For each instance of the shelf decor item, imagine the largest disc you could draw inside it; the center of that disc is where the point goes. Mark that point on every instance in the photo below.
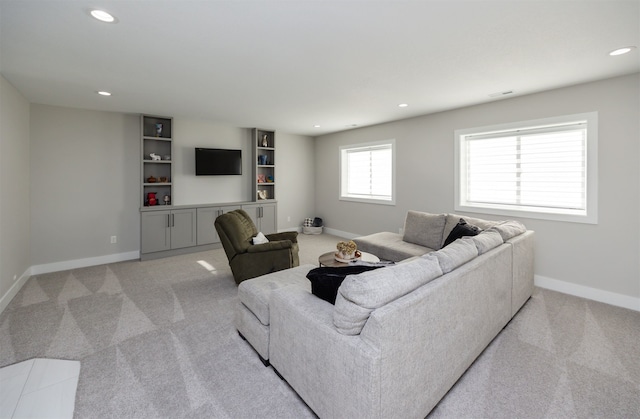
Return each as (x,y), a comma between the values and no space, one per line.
(167,200)
(151,198)
(156,149)
(264,164)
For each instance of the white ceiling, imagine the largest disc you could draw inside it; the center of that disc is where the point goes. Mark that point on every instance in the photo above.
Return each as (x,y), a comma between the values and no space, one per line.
(289,65)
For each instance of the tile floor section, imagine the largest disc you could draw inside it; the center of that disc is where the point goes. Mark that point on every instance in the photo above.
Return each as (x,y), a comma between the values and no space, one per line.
(39,388)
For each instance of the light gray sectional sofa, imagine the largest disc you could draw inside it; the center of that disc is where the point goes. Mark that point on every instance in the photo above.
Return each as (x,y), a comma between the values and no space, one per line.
(399,337)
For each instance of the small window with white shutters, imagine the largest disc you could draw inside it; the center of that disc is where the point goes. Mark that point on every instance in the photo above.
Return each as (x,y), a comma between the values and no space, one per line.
(367,172)
(537,169)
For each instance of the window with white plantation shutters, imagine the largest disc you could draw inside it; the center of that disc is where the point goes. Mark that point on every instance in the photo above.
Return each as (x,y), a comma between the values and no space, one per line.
(539,169)
(367,172)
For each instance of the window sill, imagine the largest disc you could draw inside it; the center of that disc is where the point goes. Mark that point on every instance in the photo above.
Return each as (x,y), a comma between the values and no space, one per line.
(367,200)
(523,212)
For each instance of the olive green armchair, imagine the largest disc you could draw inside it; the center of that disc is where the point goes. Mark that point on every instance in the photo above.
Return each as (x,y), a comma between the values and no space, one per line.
(248,260)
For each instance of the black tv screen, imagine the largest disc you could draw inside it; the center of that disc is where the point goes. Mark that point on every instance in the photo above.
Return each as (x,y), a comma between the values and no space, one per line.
(218,161)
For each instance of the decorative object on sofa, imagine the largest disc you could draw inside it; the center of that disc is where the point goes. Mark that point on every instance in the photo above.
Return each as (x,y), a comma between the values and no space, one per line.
(155,156)
(260,238)
(325,281)
(151,198)
(151,179)
(167,199)
(461,229)
(236,231)
(347,251)
(261,178)
(263,194)
(158,130)
(265,141)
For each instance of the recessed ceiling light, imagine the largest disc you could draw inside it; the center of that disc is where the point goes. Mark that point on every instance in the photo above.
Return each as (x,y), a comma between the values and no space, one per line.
(104,93)
(621,51)
(316,126)
(103,16)
(403,105)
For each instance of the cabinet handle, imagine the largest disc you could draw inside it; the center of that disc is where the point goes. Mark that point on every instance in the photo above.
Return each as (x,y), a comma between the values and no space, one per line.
(169,220)
(173,220)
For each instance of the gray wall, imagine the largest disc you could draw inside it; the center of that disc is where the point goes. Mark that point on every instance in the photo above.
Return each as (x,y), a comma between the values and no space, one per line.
(294,179)
(14,190)
(294,169)
(85,168)
(84,183)
(602,256)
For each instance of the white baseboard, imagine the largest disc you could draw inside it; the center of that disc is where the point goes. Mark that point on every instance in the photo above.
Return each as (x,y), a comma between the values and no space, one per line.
(83,263)
(608,297)
(62,266)
(340,233)
(17,285)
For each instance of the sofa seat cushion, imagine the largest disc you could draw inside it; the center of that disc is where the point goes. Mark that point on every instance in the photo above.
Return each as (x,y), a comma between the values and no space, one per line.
(360,294)
(390,246)
(424,229)
(255,293)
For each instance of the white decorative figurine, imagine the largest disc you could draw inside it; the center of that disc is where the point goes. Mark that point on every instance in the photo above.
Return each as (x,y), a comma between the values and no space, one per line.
(155,156)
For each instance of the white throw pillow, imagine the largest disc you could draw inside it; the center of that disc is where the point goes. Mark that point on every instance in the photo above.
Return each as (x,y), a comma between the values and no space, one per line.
(260,239)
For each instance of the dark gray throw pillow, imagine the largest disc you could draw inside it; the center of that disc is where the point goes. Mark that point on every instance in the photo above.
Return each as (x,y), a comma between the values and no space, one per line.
(325,281)
(460,230)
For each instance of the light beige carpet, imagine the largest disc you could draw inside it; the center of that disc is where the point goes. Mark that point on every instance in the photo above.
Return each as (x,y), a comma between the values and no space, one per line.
(156,339)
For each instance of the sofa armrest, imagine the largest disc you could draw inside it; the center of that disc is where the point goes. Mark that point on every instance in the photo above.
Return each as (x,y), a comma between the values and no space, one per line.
(271,246)
(285,235)
(335,374)
(523,269)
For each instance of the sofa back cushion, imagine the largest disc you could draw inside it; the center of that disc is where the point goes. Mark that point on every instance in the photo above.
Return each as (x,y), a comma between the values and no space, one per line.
(457,253)
(453,219)
(424,229)
(486,240)
(510,229)
(360,294)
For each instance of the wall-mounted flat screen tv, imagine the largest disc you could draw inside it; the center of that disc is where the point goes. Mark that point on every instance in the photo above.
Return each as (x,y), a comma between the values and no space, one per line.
(218,161)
